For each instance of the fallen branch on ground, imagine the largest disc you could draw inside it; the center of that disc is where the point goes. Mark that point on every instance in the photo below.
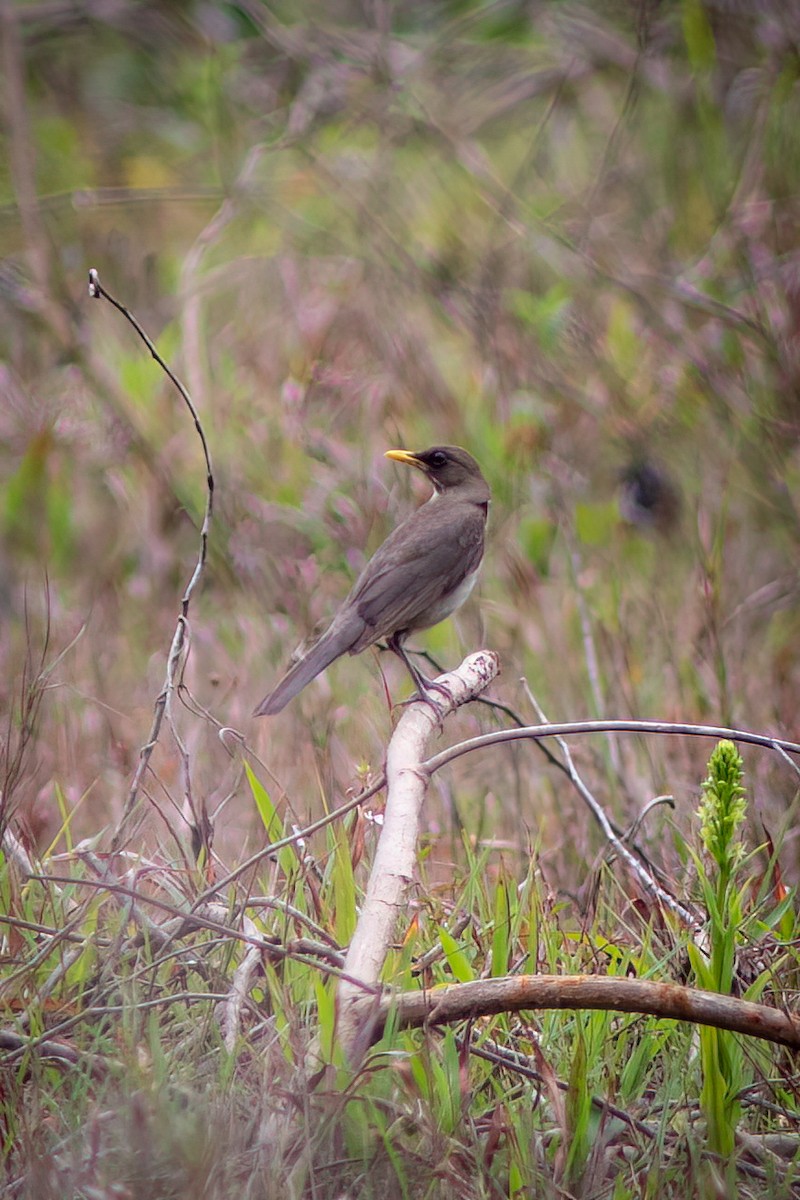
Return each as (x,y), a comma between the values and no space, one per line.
(517,993)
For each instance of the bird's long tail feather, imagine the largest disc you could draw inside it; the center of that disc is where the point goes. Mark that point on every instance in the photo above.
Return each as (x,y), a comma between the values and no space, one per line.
(330,646)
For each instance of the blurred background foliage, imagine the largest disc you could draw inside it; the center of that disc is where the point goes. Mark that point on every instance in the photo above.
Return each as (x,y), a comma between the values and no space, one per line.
(562,236)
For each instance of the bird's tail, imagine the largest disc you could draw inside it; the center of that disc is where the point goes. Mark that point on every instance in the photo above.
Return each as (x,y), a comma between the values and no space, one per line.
(330,646)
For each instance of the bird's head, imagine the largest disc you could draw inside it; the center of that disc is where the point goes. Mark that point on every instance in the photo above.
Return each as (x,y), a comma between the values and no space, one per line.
(447,468)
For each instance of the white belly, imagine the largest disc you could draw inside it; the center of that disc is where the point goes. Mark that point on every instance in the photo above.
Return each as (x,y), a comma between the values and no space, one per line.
(448,604)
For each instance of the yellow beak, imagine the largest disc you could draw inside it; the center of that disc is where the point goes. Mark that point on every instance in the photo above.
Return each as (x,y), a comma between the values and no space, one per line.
(404,456)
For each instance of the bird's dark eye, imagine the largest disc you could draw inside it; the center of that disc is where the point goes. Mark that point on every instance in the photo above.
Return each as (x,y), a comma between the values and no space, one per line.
(438,458)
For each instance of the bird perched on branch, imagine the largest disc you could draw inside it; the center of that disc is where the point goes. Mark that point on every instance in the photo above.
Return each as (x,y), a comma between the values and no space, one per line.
(421,574)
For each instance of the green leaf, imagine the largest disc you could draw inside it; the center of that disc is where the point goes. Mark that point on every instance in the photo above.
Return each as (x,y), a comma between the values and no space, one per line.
(456,959)
(776,917)
(640,1061)
(578,1106)
(344,887)
(500,934)
(272,823)
(326,1016)
(448,1083)
(701,968)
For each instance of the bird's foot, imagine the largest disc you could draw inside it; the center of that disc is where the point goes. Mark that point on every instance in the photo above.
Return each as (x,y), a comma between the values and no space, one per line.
(432,685)
(423,694)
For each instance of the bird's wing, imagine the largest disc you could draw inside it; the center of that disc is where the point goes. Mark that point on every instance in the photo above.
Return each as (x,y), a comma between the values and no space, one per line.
(422,561)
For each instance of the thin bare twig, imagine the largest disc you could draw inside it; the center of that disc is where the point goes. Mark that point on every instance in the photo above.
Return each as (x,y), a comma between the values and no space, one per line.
(242,980)
(520,1064)
(57,1052)
(298,949)
(590,650)
(568,728)
(291,839)
(18,739)
(176,651)
(645,877)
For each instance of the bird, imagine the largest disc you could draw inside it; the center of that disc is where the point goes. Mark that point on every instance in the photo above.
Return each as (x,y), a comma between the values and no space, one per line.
(649,497)
(422,573)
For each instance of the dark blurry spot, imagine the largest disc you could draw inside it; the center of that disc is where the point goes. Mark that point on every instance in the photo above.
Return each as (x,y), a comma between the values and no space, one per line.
(648,497)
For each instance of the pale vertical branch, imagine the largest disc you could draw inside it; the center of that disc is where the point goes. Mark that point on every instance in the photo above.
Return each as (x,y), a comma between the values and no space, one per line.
(393,866)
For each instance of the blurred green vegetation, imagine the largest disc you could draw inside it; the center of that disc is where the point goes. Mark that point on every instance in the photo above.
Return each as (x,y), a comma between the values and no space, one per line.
(175,1065)
(563,236)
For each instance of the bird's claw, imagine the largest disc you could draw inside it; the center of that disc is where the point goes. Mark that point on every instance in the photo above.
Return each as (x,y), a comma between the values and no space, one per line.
(423,695)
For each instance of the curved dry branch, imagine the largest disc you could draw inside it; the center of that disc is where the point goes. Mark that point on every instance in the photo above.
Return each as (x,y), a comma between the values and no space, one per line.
(179,640)
(567,728)
(560,730)
(516,993)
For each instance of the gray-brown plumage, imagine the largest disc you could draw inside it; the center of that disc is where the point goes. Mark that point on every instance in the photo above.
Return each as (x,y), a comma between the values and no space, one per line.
(423,571)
